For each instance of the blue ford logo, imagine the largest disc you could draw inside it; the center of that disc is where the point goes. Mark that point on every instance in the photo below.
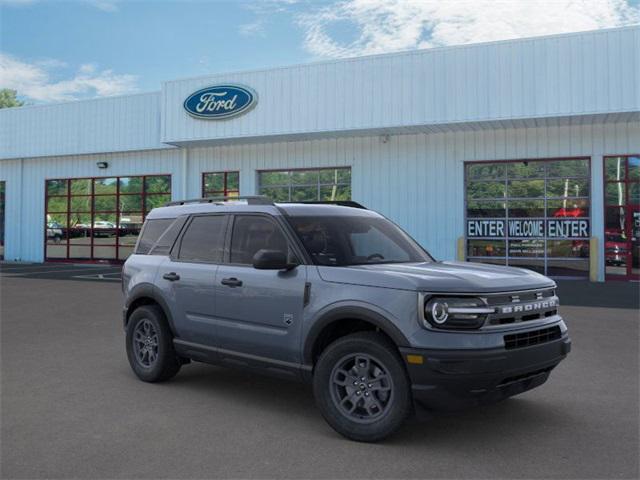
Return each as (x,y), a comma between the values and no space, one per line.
(220,101)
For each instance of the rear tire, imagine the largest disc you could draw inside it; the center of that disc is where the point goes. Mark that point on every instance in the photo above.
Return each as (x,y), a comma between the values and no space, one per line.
(361,387)
(150,345)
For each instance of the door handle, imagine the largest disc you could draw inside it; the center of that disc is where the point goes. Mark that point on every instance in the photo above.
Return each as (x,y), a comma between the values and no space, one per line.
(172,276)
(231,282)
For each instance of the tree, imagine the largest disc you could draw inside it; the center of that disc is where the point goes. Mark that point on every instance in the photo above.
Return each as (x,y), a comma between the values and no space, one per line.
(8,98)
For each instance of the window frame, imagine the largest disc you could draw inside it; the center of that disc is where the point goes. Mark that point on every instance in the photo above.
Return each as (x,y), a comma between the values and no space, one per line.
(627,181)
(318,185)
(226,191)
(505,178)
(92,213)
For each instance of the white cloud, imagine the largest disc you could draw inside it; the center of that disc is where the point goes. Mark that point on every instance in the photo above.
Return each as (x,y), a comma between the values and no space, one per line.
(34,80)
(252,28)
(390,25)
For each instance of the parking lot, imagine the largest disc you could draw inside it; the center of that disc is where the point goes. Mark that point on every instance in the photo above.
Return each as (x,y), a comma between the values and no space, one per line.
(72,408)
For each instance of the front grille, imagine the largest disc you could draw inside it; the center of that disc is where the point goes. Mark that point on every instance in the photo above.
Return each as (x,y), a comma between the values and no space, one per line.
(527,300)
(534,337)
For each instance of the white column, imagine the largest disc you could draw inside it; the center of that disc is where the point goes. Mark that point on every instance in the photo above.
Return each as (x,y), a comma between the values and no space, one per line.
(597,210)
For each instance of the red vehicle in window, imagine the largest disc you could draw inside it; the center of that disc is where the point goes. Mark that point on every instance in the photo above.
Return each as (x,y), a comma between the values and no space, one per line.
(615,247)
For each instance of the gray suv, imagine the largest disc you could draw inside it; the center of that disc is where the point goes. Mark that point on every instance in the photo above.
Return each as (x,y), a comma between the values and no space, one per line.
(338,296)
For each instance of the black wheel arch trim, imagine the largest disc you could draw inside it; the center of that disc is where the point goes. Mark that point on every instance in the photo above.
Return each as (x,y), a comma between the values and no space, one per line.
(147,290)
(355,313)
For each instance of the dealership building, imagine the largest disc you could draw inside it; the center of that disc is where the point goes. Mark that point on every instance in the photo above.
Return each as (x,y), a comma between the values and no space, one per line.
(522,152)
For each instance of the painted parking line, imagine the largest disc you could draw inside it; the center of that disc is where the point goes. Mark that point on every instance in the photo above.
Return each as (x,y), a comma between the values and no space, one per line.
(40,272)
(99,276)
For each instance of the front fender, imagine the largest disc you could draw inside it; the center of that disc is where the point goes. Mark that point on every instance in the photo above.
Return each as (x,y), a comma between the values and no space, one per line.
(335,312)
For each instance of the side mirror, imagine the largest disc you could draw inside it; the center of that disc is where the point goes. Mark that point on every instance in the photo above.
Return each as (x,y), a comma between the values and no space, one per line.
(271,260)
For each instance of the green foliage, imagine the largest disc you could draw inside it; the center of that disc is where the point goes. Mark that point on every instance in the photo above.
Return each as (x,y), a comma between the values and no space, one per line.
(8,98)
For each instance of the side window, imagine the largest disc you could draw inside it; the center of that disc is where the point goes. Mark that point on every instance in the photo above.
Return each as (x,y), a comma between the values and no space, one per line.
(253,233)
(204,239)
(168,238)
(153,229)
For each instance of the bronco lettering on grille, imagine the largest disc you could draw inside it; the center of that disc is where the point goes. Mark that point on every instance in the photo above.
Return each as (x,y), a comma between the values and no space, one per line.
(529,307)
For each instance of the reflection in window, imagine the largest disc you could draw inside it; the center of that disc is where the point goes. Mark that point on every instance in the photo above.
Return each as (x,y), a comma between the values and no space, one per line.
(101,218)
(327,184)
(221,184)
(521,195)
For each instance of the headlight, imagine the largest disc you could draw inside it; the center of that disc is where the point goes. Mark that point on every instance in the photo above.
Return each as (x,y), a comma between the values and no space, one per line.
(455,313)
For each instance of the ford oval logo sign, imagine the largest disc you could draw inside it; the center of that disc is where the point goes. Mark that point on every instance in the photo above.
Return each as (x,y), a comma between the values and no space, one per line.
(220,102)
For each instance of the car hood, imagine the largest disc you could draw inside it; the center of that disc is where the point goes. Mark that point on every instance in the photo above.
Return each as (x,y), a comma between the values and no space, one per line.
(455,277)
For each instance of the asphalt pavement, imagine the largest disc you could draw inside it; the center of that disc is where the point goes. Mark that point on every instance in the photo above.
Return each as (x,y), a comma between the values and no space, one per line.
(72,408)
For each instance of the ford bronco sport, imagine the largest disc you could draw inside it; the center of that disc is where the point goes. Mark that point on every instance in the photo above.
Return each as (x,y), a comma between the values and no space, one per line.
(339,296)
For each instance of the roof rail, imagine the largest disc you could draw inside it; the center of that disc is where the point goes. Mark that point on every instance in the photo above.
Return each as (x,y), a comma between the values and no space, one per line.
(251,200)
(342,203)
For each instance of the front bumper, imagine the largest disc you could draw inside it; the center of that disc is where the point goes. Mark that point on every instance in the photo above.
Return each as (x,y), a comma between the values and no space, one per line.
(454,379)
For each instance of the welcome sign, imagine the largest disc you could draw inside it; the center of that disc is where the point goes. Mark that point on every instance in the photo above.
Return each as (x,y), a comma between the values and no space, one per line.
(528,228)
(220,102)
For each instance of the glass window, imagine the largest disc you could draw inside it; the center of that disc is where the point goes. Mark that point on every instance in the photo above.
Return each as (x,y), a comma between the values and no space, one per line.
(57,204)
(485,190)
(221,184)
(525,169)
(151,232)
(157,184)
(203,241)
(568,208)
(614,168)
(57,187)
(525,188)
(355,240)
(326,184)
(529,212)
(615,193)
(131,184)
(486,171)
(105,186)
(100,217)
(568,168)
(568,187)
(525,208)
(485,209)
(253,233)
(634,168)
(105,203)
(486,248)
(167,239)
(80,186)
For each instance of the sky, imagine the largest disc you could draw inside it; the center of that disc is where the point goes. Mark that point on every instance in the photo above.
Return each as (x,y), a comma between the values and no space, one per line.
(54,50)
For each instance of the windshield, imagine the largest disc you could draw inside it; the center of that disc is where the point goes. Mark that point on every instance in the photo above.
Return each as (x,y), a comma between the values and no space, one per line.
(356,240)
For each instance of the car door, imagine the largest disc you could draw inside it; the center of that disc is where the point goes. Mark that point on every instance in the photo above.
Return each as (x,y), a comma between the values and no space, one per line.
(187,277)
(259,312)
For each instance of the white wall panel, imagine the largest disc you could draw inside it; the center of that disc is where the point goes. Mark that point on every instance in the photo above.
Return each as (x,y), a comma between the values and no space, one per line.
(557,76)
(112,124)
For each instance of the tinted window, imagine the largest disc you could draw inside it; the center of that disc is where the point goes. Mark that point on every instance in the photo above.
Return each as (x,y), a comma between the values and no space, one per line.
(151,233)
(253,233)
(355,240)
(168,238)
(204,239)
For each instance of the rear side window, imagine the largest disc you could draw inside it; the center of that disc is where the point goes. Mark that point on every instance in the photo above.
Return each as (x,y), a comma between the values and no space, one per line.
(168,238)
(203,240)
(151,232)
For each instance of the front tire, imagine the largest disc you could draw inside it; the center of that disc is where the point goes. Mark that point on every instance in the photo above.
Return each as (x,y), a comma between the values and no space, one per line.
(361,387)
(150,345)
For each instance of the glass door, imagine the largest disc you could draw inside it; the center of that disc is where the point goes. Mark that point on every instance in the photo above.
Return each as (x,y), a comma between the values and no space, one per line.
(622,217)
